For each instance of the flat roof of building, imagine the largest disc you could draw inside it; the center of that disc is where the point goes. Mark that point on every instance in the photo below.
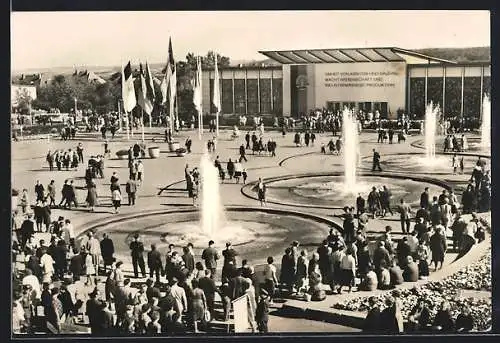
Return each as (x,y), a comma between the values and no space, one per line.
(351,55)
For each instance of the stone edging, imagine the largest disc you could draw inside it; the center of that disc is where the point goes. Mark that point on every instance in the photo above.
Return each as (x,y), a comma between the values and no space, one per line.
(235,208)
(246,189)
(418,144)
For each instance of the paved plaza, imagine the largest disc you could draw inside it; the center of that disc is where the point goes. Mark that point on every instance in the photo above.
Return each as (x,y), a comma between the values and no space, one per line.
(29,165)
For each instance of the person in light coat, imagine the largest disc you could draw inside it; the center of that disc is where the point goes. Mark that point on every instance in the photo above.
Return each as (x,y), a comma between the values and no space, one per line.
(140,171)
(94,249)
(47,264)
(116,196)
(179,295)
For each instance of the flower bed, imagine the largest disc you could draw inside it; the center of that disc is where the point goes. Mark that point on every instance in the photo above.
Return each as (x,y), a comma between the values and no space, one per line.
(476,276)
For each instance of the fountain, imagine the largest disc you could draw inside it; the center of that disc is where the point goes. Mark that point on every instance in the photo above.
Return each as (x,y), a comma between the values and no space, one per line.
(431,160)
(430,131)
(351,146)
(486,123)
(212,212)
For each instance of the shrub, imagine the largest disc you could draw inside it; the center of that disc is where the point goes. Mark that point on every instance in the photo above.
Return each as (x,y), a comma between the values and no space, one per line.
(122,152)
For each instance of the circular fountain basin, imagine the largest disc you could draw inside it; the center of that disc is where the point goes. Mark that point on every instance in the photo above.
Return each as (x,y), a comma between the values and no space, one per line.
(475,146)
(255,233)
(418,163)
(328,190)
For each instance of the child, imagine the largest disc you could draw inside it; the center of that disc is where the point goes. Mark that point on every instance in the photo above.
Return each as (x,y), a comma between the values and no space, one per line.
(262,312)
(323,150)
(461,165)
(244,174)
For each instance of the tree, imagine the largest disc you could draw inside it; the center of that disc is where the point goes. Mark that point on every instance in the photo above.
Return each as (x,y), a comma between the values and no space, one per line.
(23,100)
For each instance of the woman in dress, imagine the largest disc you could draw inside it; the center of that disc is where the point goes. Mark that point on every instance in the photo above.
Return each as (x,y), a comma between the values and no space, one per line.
(199,304)
(90,270)
(423,254)
(92,195)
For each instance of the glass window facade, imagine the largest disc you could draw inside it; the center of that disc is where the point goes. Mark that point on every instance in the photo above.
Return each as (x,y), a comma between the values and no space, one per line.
(453,96)
(265,95)
(227,96)
(253,96)
(472,97)
(435,90)
(239,96)
(454,105)
(417,97)
(278,96)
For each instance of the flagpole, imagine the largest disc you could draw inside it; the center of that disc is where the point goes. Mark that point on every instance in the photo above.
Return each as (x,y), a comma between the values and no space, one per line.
(127,124)
(131,123)
(142,125)
(199,124)
(120,116)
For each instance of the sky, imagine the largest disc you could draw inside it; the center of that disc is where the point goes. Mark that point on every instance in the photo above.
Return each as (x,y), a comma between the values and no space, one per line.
(64,39)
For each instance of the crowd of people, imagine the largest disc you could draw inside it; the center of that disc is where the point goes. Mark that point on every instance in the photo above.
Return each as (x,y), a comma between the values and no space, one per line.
(51,280)
(387,319)
(181,292)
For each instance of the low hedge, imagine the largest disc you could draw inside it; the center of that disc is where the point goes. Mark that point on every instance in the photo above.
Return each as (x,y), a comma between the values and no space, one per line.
(38,129)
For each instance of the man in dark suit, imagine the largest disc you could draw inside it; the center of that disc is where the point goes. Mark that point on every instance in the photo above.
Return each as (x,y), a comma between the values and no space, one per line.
(380,256)
(188,257)
(247,140)
(76,265)
(27,230)
(39,190)
(229,255)
(137,250)
(210,256)
(93,308)
(207,284)
(424,199)
(154,262)
(376,161)
(131,189)
(372,320)
(107,251)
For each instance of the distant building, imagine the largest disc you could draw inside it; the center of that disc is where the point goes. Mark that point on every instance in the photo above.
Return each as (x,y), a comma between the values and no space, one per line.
(385,79)
(18,90)
(89,76)
(32,80)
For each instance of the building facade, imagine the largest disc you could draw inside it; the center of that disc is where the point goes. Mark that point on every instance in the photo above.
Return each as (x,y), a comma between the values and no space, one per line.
(384,79)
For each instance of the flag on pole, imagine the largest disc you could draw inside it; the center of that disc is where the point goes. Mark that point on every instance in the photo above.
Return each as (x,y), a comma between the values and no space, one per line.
(128,90)
(216,97)
(146,95)
(169,83)
(172,83)
(150,91)
(197,95)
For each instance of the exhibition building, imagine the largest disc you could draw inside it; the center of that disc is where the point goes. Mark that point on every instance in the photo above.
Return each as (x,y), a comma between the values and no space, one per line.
(385,79)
